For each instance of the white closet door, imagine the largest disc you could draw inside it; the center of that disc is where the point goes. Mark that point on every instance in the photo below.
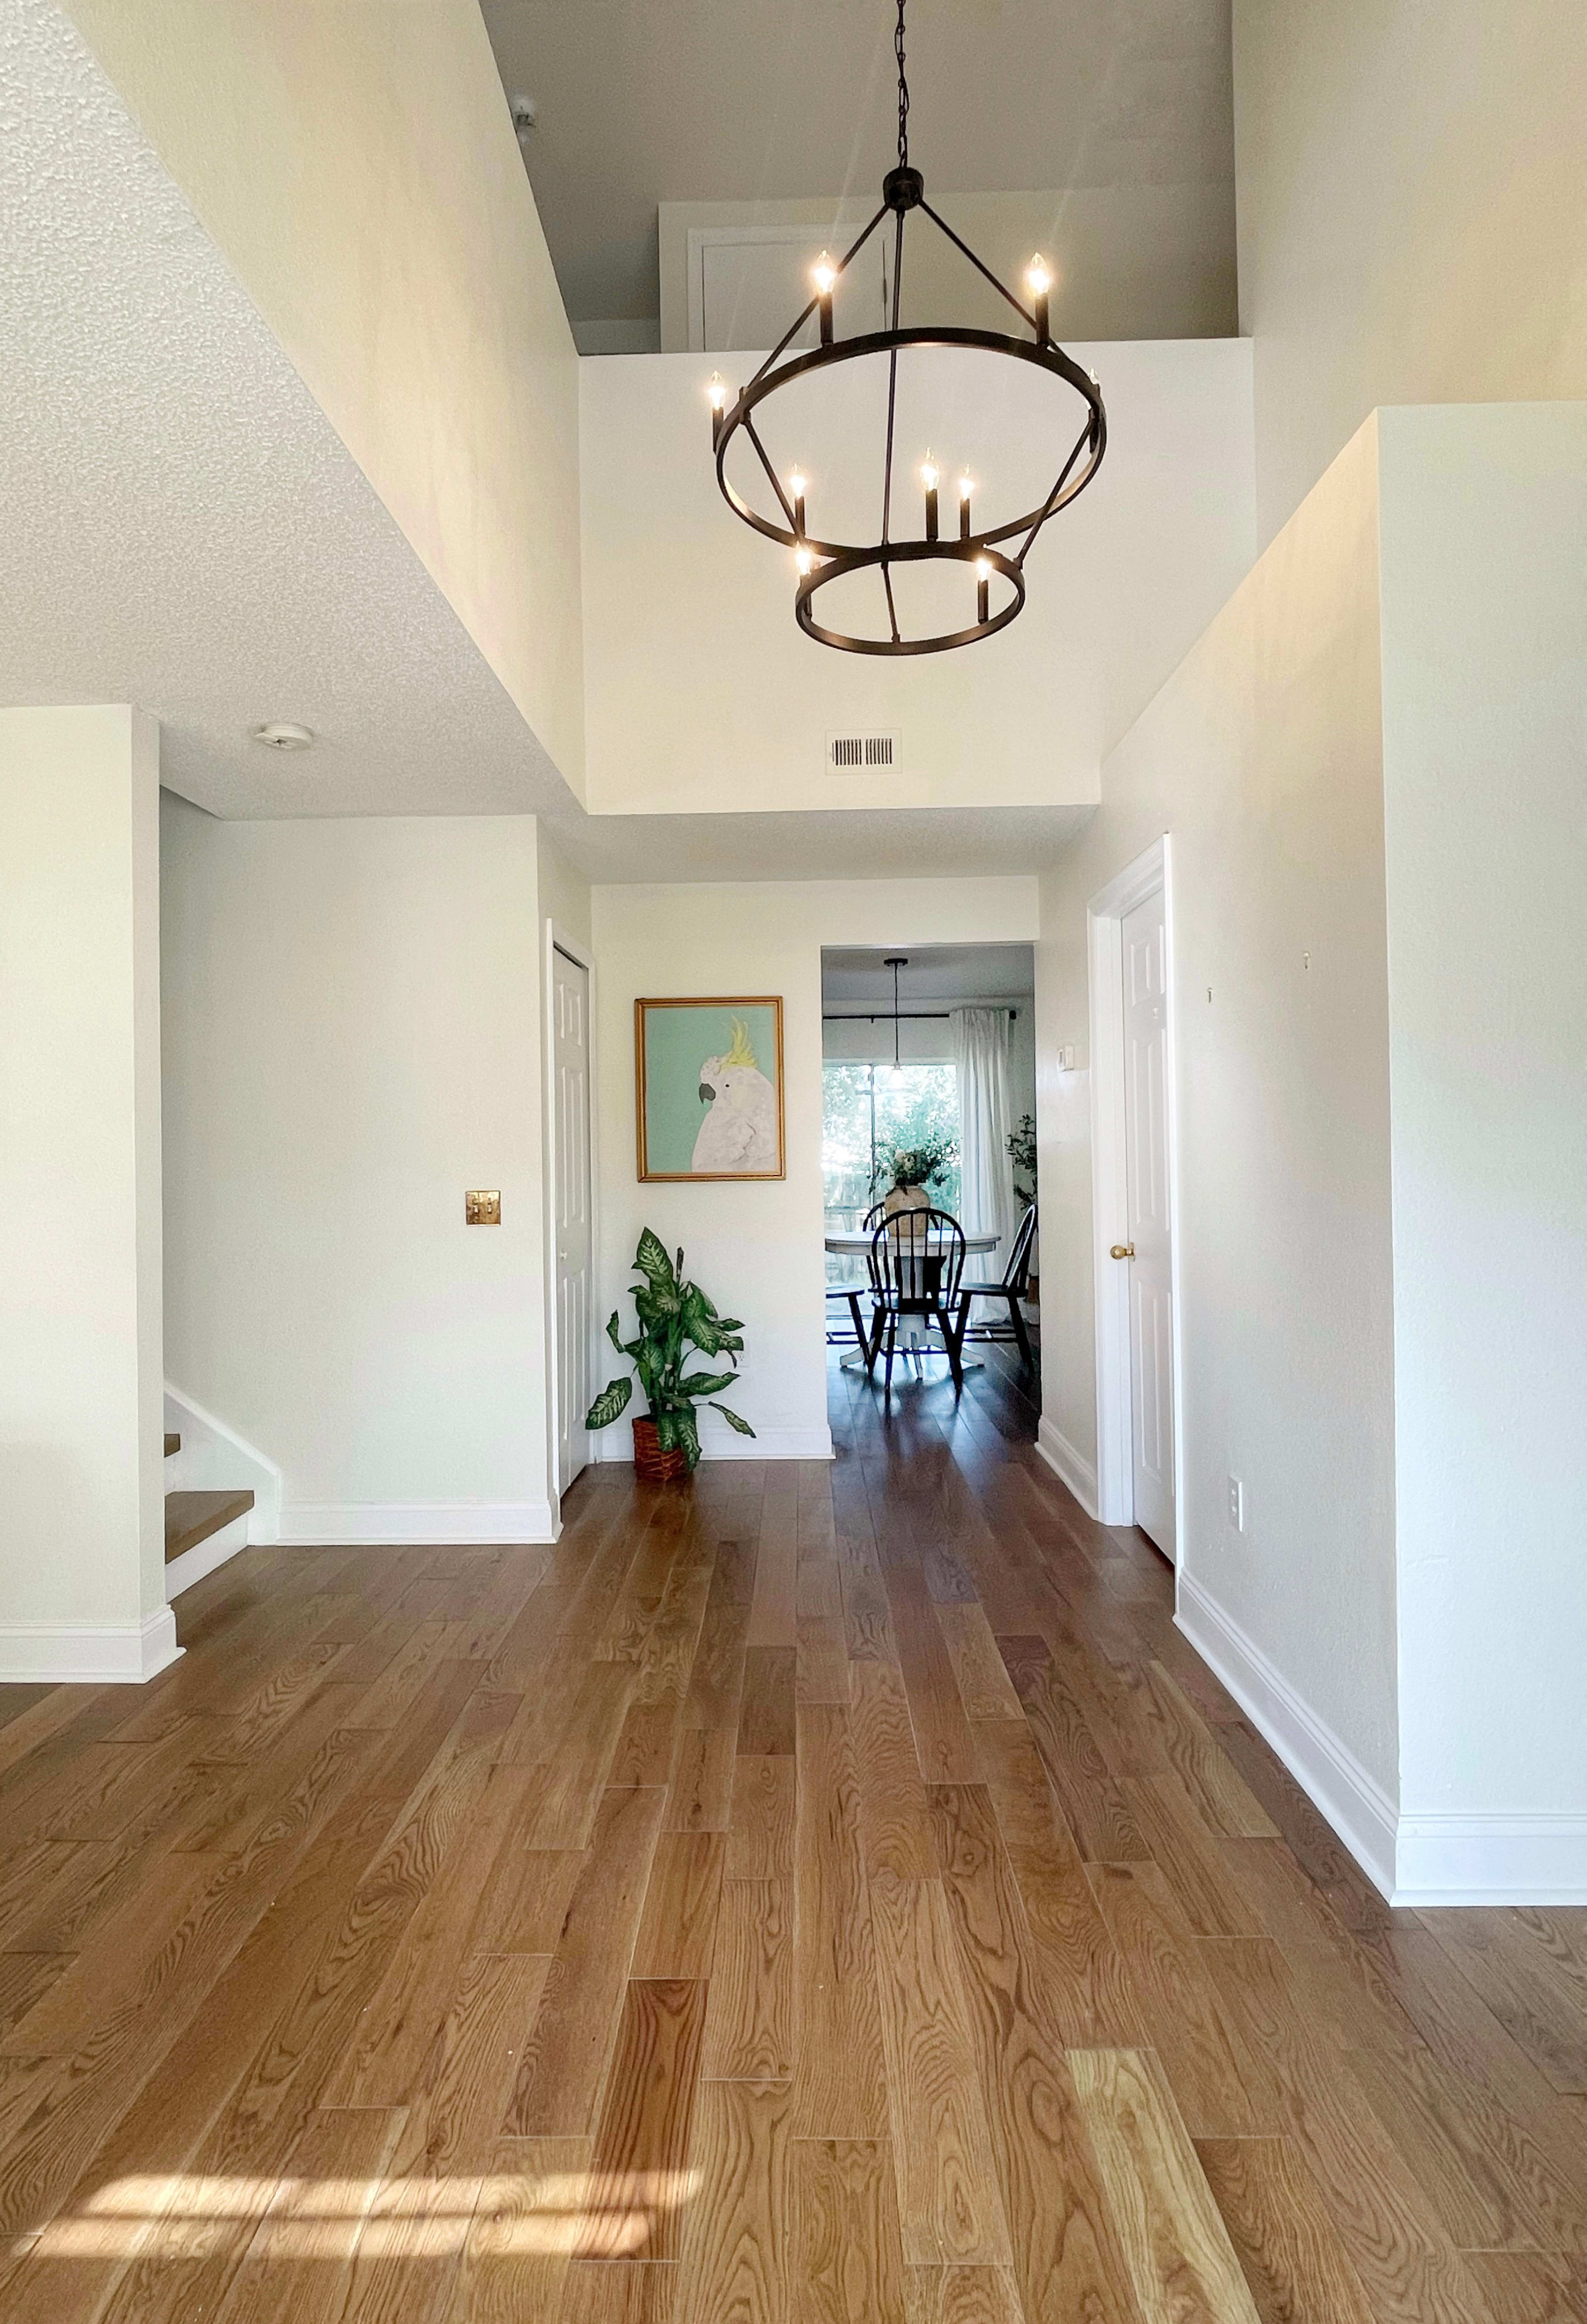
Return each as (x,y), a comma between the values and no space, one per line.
(569,989)
(1146,1162)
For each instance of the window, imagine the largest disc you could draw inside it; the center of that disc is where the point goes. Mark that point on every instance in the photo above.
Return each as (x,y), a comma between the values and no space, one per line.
(866,1117)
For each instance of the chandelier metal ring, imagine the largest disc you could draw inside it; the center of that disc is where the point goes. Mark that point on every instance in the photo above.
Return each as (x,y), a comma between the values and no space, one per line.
(1047,357)
(822,560)
(906,552)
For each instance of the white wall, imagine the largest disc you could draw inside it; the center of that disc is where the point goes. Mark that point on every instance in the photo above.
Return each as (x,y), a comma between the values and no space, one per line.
(352,1038)
(756,1248)
(82,1579)
(565,893)
(1132,262)
(1411,195)
(1372,768)
(702,694)
(358,168)
(1484,531)
(1263,756)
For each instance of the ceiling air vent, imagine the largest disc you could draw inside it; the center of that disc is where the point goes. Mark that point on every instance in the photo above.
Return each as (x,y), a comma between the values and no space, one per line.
(846,752)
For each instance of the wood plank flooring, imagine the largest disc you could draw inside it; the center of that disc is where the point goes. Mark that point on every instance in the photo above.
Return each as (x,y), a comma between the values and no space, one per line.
(813,1895)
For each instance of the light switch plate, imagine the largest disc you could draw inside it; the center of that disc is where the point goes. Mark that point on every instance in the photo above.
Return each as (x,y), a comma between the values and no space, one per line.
(1236,1505)
(481,1206)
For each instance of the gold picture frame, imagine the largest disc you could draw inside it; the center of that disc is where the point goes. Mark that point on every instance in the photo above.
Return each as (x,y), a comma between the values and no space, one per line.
(706,1106)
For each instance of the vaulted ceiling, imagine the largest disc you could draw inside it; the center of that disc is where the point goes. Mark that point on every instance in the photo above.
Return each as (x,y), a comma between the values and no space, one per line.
(646,101)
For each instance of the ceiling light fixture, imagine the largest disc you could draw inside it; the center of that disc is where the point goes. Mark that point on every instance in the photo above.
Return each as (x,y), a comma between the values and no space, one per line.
(819,560)
(280,734)
(895,961)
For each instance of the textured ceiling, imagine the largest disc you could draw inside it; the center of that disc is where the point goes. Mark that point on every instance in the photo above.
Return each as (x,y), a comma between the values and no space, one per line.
(646,101)
(179,524)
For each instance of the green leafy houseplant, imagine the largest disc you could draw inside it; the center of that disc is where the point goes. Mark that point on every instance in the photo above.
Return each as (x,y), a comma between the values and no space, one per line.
(916,1166)
(676,1317)
(1021,1153)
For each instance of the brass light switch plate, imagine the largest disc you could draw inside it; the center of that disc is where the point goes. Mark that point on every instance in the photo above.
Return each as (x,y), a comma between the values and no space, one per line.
(481,1206)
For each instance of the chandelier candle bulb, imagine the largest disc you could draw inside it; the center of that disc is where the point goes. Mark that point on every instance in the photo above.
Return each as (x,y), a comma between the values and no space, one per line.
(983,590)
(796,494)
(965,489)
(823,274)
(1039,282)
(718,394)
(929,478)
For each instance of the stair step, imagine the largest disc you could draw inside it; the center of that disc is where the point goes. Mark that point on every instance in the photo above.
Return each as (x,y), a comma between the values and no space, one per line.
(192,1517)
(173,1444)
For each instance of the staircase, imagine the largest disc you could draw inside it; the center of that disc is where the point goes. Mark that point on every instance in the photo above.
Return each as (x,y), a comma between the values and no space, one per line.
(202,1530)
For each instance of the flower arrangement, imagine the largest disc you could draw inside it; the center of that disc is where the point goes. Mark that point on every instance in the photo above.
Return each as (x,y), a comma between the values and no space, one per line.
(916,1166)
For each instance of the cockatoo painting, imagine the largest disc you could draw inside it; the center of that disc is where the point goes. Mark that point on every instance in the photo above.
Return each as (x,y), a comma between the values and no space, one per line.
(739,1134)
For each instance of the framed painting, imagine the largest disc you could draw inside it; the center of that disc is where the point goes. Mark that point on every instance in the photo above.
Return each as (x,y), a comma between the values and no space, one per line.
(708,1077)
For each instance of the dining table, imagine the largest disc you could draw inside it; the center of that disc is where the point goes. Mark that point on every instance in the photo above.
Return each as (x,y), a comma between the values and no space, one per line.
(853,1242)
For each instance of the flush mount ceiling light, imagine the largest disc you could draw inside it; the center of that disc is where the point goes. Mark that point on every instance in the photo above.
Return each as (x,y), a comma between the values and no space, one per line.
(993,549)
(280,734)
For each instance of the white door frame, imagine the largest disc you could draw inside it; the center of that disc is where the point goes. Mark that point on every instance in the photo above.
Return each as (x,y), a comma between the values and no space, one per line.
(558,939)
(1104,917)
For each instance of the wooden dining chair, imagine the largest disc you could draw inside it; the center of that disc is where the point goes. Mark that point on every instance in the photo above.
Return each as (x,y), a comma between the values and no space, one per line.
(1011,1289)
(916,1267)
(853,1293)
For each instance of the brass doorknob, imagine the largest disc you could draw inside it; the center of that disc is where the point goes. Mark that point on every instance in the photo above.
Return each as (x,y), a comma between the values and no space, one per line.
(1123,1250)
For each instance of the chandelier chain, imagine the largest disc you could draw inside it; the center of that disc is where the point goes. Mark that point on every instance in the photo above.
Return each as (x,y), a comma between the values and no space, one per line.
(903,93)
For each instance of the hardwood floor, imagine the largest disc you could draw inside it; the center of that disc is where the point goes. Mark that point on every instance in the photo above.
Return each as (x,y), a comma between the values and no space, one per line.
(816,1895)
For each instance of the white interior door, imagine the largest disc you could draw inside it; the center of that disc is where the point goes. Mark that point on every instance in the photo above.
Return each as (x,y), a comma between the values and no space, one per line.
(1146,1166)
(570,1085)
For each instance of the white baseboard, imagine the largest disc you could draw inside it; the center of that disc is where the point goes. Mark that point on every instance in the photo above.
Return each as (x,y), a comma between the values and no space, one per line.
(205,1557)
(385,1524)
(617,1444)
(1492,1859)
(1328,1771)
(1413,1859)
(1060,1456)
(87,1654)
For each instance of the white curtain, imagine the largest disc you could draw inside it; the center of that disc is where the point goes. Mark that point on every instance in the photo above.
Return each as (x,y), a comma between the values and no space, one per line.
(987,1198)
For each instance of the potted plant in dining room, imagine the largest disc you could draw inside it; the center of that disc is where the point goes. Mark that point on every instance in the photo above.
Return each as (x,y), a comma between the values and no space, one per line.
(909,1172)
(1021,1153)
(676,1321)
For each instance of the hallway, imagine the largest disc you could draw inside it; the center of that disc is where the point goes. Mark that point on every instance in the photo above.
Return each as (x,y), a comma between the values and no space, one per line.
(824,1893)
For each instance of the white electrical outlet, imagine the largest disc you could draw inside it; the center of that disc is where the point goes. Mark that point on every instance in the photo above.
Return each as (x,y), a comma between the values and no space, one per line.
(1236,1505)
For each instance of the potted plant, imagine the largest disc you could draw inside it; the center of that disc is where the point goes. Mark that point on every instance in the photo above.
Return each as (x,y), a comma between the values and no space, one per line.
(1021,1153)
(909,1172)
(676,1317)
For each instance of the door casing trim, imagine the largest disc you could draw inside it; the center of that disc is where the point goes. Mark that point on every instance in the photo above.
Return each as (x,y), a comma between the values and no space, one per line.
(559,939)
(1105,912)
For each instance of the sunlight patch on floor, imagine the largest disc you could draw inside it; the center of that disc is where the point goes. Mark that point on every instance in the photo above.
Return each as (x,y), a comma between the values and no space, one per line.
(605,2214)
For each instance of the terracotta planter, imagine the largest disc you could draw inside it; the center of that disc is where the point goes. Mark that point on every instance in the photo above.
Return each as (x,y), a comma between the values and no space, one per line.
(650,1462)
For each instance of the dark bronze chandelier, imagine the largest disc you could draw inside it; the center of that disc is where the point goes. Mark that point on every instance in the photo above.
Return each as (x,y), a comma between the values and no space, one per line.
(996,552)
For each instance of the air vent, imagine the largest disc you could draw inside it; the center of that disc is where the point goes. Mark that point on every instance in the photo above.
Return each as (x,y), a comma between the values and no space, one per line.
(846,752)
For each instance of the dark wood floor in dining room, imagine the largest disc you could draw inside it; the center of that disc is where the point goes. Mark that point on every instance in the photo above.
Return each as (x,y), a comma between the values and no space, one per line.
(829,1894)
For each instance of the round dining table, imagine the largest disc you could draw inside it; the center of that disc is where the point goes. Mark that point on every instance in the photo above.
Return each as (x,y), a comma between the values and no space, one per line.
(855,1243)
